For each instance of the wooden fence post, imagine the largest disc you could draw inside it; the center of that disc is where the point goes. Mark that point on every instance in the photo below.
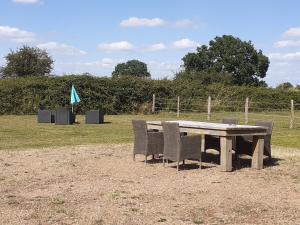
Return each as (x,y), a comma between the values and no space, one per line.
(153,103)
(208,108)
(292,114)
(246,110)
(178,105)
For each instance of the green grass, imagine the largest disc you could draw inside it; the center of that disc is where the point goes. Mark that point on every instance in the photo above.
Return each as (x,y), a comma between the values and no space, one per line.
(22,132)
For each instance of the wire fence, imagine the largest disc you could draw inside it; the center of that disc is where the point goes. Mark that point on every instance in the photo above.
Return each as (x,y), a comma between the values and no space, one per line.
(285,114)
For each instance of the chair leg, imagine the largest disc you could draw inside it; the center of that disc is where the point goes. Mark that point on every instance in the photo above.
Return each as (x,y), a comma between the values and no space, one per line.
(238,160)
(200,163)
(145,159)
(133,157)
(163,161)
(183,162)
(178,166)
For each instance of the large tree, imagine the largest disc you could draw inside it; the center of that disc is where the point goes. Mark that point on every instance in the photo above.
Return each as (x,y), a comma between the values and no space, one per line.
(229,55)
(285,86)
(27,61)
(133,68)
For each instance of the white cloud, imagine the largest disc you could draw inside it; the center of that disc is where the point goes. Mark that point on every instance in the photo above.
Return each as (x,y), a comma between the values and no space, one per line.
(287,43)
(116,46)
(280,72)
(163,69)
(105,63)
(61,48)
(283,67)
(292,32)
(16,35)
(184,44)
(186,23)
(27,1)
(164,65)
(157,47)
(293,56)
(142,22)
(102,66)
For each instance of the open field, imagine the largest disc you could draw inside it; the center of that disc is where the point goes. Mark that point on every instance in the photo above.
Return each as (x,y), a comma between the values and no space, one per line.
(22,132)
(100,184)
(84,174)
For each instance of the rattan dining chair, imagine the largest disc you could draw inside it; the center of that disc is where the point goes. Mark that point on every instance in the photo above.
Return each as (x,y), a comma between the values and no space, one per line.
(244,145)
(146,142)
(178,147)
(213,142)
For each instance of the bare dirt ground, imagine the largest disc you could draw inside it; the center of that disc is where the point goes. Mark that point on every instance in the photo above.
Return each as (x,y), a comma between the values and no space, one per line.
(102,185)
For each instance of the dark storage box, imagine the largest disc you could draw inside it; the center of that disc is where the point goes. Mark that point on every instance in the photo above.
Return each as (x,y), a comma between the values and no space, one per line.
(64,116)
(94,117)
(46,116)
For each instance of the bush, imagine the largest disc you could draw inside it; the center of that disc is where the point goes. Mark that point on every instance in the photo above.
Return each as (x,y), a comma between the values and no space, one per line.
(129,95)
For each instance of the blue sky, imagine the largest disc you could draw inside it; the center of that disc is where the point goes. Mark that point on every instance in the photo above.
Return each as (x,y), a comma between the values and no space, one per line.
(93,36)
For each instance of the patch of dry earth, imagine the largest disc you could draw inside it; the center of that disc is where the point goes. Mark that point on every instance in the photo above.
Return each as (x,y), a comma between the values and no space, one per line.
(102,185)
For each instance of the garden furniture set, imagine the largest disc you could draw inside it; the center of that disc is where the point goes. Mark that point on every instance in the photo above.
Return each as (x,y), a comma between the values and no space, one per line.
(65,116)
(176,140)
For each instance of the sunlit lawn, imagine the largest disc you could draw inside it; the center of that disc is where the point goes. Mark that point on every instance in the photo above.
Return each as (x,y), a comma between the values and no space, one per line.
(21,132)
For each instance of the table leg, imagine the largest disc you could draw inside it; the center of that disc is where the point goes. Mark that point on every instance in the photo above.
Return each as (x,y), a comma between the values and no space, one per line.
(226,154)
(258,152)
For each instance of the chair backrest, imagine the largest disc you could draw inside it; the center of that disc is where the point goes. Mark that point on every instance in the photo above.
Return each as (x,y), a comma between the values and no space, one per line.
(269,125)
(230,121)
(172,141)
(140,135)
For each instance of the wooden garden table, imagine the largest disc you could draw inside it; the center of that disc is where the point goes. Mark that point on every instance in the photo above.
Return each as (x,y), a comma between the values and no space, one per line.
(226,132)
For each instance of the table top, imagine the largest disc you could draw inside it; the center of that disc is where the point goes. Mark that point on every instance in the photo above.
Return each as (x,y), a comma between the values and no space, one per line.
(212,126)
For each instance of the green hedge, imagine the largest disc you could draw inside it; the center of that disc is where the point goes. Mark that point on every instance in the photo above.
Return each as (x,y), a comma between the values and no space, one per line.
(127,95)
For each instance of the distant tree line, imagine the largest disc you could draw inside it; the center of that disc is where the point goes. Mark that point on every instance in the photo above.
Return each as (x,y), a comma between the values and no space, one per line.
(227,60)
(288,86)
